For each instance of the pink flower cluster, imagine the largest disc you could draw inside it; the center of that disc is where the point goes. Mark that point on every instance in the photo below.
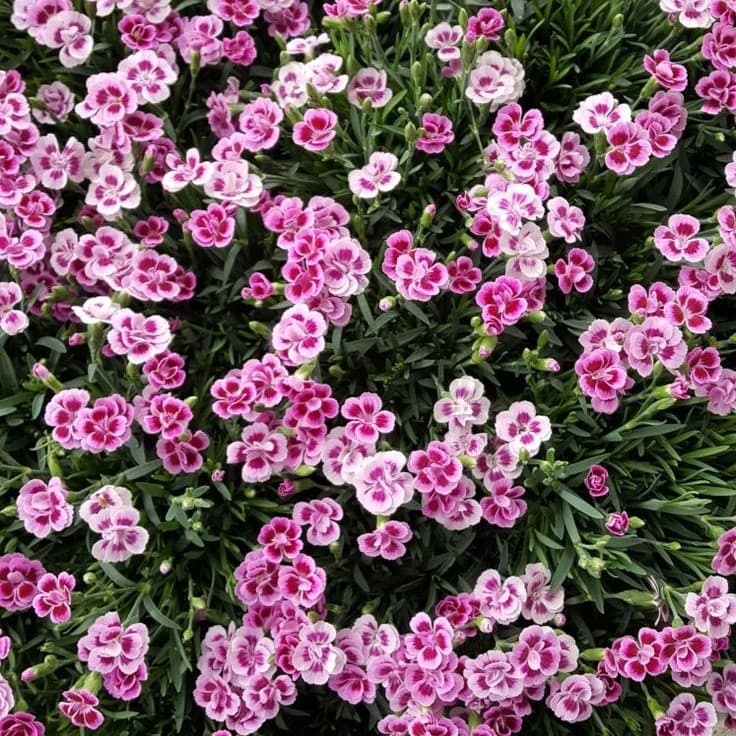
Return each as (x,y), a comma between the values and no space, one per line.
(634,139)
(109,512)
(103,427)
(664,325)
(24,584)
(117,653)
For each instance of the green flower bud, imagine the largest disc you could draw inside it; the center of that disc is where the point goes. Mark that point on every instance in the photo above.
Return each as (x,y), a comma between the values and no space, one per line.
(260,329)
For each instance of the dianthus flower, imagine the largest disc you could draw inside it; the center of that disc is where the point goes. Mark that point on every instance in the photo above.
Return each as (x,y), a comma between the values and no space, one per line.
(19,578)
(54,597)
(298,337)
(388,541)
(42,507)
(378,175)
(79,706)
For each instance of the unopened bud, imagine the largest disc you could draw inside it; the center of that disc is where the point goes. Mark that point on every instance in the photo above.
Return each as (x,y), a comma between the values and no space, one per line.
(306,370)
(260,329)
(165,567)
(417,75)
(426,102)
(428,215)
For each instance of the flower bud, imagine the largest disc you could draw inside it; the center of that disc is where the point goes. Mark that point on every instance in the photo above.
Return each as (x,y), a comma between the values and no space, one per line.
(418,77)
(426,102)
(43,374)
(260,329)
(427,216)
(592,655)
(306,370)
(165,567)
(415,10)
(536,317)
(639,598)
(303,471)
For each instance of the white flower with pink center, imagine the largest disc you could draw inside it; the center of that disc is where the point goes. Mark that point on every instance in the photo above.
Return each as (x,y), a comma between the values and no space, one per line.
(96,310)
(320,516)
(190,170)
(12,321)
(107,255)
(713,610)
(113,190)
(298,337)
(690,13)
(231,181)
(721,263)
(261,451)
(522,428)
(21,250)
(315,657)
(68,31)
(445,39)
(655,340)
(465,407)
(366,419)
(542,603)
(109,100)
(493,675)
(290,86)
(121,536)
(564,220)
(677,240)
(93,510)
(369,84)
(382,485)
(344,267)
(138,337)
(378,175)
(323,75)
(342,457)
(501,601)
(14,113)
(430,641)
(600,112)
(55,167)
(574,699)
(149,76)
(512,206)
(495,81)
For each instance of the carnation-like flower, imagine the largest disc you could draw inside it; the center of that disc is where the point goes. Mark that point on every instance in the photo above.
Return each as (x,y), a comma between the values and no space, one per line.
(42,507)
(298,337)
(79,706)
(381,483)
(378,175)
